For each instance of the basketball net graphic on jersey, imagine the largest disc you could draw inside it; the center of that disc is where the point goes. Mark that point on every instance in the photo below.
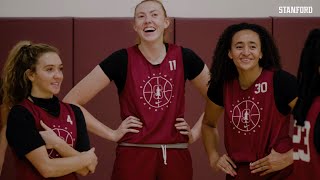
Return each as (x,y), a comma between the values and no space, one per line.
(245,116)
(157,91)
(64,134)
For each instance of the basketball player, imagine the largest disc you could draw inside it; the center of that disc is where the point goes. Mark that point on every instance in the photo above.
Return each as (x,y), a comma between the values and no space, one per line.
(257,97)
(306,138)
(32,76)
(150,77)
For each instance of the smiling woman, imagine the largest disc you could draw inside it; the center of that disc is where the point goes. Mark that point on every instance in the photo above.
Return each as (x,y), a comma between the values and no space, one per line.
(48,77)
(247,83)
(245,52)
(150,77)
(32,76)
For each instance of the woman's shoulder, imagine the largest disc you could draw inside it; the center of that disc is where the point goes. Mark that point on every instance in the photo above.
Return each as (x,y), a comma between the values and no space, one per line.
(18,108)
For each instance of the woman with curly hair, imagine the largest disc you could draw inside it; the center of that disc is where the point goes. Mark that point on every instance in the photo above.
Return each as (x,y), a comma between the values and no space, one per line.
(257,96)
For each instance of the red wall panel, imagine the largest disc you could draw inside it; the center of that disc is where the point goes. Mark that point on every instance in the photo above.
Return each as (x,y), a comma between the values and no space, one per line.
(290,35)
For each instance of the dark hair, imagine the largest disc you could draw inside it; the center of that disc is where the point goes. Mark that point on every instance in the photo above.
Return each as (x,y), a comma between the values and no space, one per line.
(23,56)
(308,76)
(223,69)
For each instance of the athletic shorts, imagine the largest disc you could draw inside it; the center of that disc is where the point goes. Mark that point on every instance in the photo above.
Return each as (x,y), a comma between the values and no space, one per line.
(144,163)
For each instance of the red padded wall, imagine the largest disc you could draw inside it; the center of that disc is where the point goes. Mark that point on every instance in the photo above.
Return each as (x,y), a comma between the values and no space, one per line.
(290,35)
(201,35)
(89,40)
(54,31)
(95,39)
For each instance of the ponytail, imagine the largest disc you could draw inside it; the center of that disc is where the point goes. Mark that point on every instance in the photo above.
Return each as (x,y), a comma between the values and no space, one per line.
(23,56)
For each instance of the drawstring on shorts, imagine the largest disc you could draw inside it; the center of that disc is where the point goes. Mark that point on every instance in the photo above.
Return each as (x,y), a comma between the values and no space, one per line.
(164,154)
(162,146)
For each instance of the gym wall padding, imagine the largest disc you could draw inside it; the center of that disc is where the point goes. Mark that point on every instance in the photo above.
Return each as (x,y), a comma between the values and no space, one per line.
(290,35)
(85,42)
(201,35)
(54,31)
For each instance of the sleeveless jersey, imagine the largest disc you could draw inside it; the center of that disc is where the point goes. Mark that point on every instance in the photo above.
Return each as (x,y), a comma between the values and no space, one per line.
(64,126)
(306,158)
(155,95)
(253,125)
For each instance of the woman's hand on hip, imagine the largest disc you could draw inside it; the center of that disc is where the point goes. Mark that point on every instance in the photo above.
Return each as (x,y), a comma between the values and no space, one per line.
(129,125)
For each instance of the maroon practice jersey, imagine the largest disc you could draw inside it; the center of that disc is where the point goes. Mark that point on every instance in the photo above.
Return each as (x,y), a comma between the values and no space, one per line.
(64,126)
(155,95)
(306,158)
(253,124)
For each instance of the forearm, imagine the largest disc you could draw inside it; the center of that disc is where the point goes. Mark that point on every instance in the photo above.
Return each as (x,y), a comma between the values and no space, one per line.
(96,127)
(210,134)
(65,150)
(62,166)
(83,92)
(210,138)
(196,129)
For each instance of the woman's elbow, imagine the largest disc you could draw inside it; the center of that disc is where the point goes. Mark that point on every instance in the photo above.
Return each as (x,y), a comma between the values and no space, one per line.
(46,171)
(83,172)
(68,99)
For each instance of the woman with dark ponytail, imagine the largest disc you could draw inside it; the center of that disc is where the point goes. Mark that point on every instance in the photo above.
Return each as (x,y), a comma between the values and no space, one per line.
(32,76)
(306,138)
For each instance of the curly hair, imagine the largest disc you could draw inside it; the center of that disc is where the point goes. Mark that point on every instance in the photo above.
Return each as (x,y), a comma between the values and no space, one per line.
(308,76)
(223,69)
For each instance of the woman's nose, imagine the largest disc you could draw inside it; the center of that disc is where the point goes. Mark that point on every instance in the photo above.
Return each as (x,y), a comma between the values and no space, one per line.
(147,19)
(246,51)
(58,74)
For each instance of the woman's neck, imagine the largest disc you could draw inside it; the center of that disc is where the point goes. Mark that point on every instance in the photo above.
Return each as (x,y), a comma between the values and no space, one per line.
(39,95)
(247,78)
(154,53)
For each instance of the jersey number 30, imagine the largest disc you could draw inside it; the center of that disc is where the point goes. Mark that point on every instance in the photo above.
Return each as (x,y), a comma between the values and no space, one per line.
(261,87)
